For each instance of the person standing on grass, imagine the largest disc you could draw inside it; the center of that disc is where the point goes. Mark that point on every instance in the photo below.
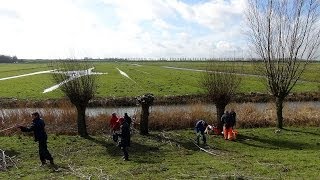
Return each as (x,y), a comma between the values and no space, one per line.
(114,126)
(233,116)
(129,121)
(124,138)
(40,136)
(227,126)
(200,127)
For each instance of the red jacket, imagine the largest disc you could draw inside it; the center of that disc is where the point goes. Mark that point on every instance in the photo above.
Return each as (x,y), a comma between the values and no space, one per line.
(114,123)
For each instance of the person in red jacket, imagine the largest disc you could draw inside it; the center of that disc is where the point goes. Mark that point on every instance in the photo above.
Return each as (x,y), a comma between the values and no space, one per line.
(114,126)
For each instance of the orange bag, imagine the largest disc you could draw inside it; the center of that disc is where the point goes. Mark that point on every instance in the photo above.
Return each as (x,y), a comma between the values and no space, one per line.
(235,133)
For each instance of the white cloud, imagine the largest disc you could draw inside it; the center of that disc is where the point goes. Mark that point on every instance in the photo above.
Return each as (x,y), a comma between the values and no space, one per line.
(159,23)
(215,14)
(44,28)
(65,28)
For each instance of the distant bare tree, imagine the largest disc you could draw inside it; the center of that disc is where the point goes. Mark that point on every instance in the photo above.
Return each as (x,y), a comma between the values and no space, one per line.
(220,87)
(285,35)
(80,89)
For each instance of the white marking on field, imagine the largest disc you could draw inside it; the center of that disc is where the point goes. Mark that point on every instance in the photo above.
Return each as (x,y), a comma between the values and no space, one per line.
(136,65)
(60,84)
(201,70)
(221,72)
(72,75)
(29,74)
(142,71)
(125,75)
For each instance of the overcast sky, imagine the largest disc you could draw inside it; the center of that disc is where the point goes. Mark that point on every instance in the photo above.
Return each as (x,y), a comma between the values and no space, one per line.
(122,28)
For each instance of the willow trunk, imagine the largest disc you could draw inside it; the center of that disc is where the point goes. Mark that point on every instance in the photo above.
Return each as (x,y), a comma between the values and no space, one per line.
(144,122)
(81,121)
(279,109)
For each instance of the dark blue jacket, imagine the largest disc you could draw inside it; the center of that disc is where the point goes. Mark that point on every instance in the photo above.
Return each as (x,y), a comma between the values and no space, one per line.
(127,119)
(37,127)
(226,120)
(233,116)
(125,135)
(200,126)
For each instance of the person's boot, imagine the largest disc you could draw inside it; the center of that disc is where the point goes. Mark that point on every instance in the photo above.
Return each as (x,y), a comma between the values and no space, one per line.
(43,163)
(54,166)
(126,158)
(204,143)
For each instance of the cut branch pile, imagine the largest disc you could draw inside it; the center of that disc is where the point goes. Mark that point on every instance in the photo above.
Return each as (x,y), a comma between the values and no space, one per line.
(6,161)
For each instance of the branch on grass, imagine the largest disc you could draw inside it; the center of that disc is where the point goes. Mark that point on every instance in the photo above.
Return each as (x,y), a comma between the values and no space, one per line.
(81,172)
(78,172)
(6,161)
(202,149)
(167,139)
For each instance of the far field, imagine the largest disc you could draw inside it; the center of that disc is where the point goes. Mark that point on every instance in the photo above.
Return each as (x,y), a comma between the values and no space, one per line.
(147,77)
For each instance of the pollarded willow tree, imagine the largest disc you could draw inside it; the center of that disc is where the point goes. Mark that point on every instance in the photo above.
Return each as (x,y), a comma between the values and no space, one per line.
(146,101)
(220,87)
(79,84)
(285,35)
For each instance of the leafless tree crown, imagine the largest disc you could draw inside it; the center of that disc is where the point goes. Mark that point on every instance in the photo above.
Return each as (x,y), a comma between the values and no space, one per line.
(79,90)
(285,34)
(220,85)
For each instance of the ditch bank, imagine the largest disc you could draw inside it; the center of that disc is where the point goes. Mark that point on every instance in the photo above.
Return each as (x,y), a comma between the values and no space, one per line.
(159,100)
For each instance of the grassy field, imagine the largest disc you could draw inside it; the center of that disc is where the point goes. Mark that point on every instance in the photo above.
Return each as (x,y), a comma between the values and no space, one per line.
(311,73)
(292,153)
(147,77)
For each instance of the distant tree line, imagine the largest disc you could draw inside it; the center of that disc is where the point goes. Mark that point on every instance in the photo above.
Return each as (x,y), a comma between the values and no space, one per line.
(166,59)
(182,59)
(9,59)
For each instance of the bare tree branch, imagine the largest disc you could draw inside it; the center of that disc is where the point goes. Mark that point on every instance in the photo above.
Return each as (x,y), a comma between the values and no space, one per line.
(285,35)
(78,84)
(220,87)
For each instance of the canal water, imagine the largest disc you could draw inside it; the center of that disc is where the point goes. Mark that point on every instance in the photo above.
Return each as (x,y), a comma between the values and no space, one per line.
(162,108)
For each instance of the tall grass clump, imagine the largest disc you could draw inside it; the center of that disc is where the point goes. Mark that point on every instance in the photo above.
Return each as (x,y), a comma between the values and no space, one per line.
(179,118)
(62,120)
(251,116)
(306,115)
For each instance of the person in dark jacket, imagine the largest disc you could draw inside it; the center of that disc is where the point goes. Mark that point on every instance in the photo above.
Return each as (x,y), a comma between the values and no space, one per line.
(226,120)
(233,117)
(129,121)
(40,136)
(124,139)
(200,127)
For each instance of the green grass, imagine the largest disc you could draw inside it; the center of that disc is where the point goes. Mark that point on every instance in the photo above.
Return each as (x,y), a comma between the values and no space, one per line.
(151,77)
(16,69)
(311,73)
(258,153)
